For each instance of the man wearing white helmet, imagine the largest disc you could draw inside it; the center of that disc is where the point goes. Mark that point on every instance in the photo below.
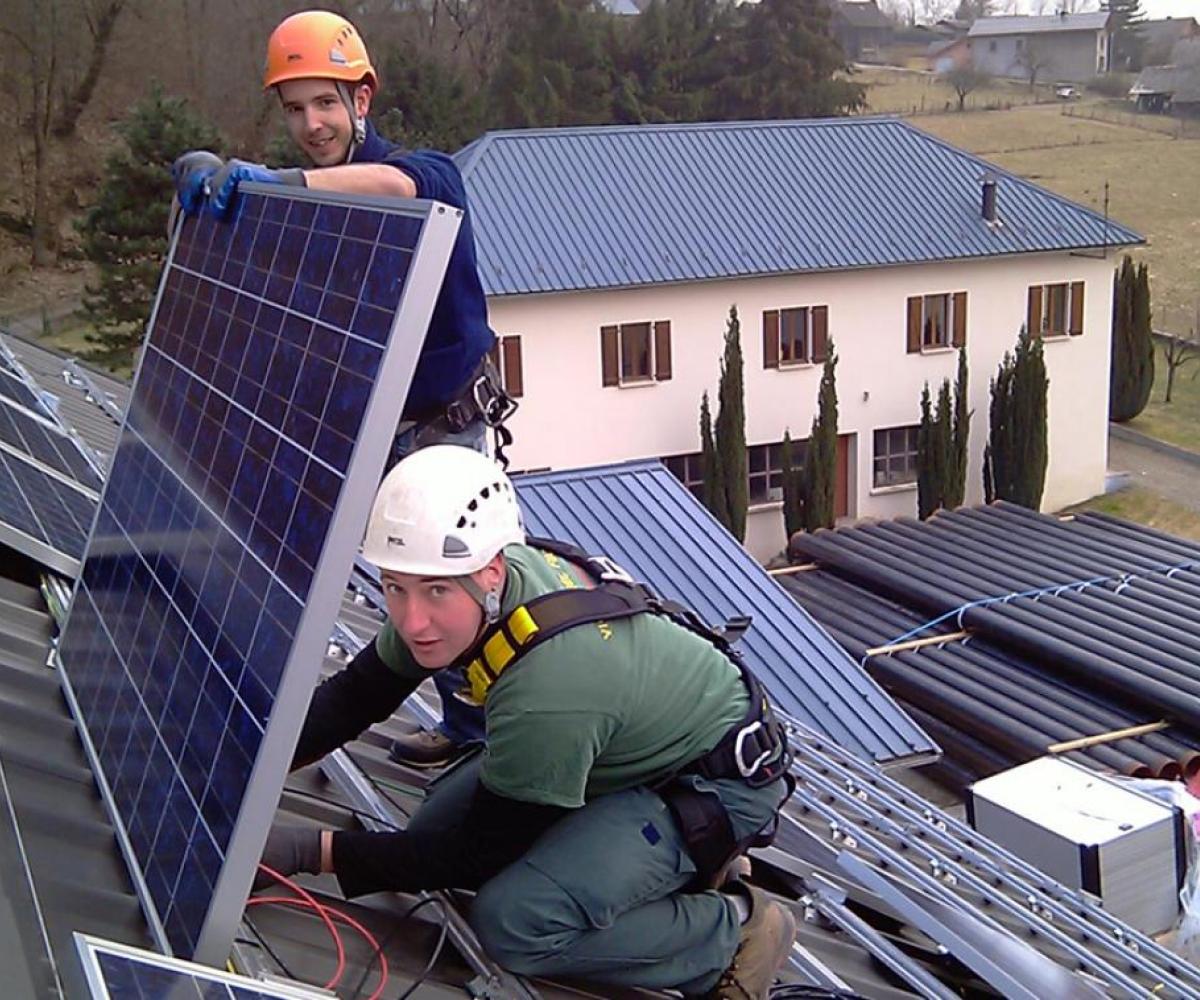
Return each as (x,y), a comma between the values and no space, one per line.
(319,67)
(606,732)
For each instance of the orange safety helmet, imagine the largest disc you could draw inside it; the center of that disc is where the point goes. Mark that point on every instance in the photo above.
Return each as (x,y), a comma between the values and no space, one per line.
(321,44)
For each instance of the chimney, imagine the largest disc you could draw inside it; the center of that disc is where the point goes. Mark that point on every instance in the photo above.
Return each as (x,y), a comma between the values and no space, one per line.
(989,198)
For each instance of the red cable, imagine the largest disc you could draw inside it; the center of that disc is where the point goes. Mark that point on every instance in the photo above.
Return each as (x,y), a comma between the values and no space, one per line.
(337,914)
(320,909)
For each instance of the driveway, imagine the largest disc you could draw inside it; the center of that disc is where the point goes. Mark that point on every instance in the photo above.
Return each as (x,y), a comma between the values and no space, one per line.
(1170,477)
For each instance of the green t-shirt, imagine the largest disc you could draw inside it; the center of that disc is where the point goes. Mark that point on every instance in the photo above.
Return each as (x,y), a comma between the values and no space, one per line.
(599,707)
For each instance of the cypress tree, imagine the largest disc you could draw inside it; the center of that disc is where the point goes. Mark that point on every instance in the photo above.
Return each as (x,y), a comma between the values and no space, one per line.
(125,232)
(793,489)
(1017,453)
(960,438)
(713,496)
(1132,373)
(820,463)
(730,434)
(929,494)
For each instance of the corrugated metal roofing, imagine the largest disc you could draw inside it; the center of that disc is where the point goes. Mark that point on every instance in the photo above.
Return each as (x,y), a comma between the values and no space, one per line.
(640,515)
(606,207)
(1030,25)
(1106,615)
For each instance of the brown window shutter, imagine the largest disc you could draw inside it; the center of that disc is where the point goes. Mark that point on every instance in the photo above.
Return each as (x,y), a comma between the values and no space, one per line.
(771,338)
(914,325)
(1033,322)
(610,361)
(1076,327)
(960,319)
(820,334)
(662,350)
(514,383)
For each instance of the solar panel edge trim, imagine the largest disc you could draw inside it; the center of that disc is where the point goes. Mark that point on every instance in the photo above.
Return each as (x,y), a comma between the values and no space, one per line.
(39,551)
(397,366)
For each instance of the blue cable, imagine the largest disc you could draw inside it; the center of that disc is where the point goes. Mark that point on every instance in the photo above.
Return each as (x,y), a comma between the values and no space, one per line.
(1122,581)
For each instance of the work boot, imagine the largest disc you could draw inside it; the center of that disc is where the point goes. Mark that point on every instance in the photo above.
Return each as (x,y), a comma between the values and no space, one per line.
(425,748)
(766,939)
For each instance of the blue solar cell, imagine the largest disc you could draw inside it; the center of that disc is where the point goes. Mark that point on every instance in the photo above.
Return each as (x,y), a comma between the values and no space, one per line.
(215,524)
(48,509)
(13,387)
(47,444)
(119,972)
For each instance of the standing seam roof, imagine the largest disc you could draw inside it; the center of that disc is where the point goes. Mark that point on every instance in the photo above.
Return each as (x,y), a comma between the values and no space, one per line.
(640,515)
(615,206)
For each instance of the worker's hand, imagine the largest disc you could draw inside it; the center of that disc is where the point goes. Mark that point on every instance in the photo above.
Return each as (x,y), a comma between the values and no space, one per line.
(191,173)
(290,849)
(225,183)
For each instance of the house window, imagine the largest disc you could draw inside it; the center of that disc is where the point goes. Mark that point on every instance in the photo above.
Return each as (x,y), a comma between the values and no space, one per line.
(896,456)
(506,356)
(1056,310)
(633,353)
(1020,44)
(796,336)
(689,470)
(992,45)
(937,321)
(764,472)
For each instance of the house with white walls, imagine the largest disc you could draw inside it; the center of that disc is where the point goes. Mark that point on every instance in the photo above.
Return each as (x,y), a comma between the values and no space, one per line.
(612,256)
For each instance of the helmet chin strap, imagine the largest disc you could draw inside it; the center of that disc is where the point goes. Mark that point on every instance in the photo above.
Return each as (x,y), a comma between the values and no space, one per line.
(360,124)
(488,600)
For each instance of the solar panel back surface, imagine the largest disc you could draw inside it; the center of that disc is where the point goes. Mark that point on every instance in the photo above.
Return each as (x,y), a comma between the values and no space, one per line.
(264,405)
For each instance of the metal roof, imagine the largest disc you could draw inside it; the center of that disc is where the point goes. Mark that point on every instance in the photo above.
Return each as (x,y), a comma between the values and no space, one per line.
(566,209)
(1030,25)
(1077,628)
(862,14)
(640,515)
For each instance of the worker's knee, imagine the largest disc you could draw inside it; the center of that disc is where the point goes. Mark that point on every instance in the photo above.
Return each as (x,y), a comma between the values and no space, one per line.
(519,932)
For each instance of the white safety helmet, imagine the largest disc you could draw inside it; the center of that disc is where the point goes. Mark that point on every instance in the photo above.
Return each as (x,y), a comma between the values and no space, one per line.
(445,510)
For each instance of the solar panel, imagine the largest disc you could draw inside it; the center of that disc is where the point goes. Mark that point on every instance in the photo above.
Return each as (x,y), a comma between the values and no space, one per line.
(14,389)
(118,972)
(41,439)
(226,530)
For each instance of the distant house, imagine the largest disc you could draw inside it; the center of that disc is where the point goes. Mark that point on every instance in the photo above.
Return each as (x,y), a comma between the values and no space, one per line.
(860,27)
(625,8)
(611,257)
(1174,87)
(948,54)
(1060,47)
(1160,37)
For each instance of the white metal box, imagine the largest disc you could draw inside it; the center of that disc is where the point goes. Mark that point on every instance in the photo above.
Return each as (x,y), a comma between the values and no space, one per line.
(1088,832)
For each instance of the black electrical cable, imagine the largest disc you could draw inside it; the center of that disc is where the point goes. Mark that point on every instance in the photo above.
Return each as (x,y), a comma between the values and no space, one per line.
(258,935)
(391,935)
(804,991)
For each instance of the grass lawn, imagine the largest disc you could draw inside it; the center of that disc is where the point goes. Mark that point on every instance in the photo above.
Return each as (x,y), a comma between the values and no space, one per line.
(1143,507)
(1152,183)
(905,92)
(1177,422)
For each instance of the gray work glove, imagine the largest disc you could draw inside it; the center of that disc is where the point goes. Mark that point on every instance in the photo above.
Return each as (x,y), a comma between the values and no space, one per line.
(191,173)
(290,849)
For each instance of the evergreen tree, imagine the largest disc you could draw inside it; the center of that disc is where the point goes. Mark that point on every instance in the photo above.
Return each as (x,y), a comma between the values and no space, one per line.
(713,496)
(942,445)
(730,434)
(1132,372)
(781,62)
(1127,42)
(125,232)
(554,67)
(820,463)
(425,102)
(793,488)
(960,438)
(1017,453)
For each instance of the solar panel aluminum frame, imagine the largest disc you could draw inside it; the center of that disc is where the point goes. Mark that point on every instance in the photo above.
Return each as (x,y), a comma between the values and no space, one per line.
(302,666)
(90,949)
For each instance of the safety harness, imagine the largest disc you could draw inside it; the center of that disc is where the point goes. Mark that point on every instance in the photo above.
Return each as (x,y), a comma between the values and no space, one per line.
(754,751)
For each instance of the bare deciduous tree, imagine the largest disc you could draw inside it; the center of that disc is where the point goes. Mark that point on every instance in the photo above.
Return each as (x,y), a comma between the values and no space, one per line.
(1179,351)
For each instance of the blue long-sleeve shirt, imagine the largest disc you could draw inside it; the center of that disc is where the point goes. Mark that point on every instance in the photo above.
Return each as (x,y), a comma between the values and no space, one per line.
(459,335)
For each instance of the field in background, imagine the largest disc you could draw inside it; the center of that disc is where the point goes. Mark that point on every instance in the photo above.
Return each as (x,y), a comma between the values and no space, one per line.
(906,92)
(1152,177)
(1142,507)
(1179,421)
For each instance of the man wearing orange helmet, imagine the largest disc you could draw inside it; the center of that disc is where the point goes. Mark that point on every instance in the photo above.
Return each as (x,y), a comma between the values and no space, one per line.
(319,67)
